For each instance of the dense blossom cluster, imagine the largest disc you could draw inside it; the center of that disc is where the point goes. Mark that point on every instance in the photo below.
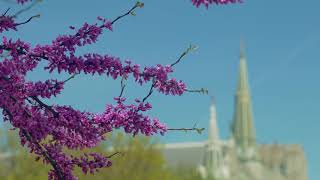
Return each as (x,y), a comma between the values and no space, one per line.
(48,130)
(6,23)
(22,1)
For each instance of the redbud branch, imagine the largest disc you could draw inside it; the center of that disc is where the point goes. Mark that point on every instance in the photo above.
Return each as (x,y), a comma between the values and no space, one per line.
(43,151)
(32,17)
(122,86)
(35,98)
(191,48)
(26,9)
(138,4)
(199,130)
(188,50)
(150,91)
(42,104)
(33,103)
(202,90)
(46,155)
(5,12)
(71,77)
(116,153)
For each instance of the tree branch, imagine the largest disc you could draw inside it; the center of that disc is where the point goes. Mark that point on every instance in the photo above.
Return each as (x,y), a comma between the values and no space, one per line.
(43,151)
(5,12)
(202,90)
(187,51)
(150,91)
(138,4)
(199,130)
(71,77)
(25,22)
(111,155)
(42,104)
(122,86)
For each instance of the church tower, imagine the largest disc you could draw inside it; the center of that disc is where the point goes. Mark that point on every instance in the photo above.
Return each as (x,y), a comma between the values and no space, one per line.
(213,126)
(243,128)
(213,159)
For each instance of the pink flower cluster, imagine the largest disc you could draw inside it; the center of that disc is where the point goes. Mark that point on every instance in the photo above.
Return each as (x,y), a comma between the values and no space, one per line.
(217,2)
(22,1)
(6,23)
(47,130)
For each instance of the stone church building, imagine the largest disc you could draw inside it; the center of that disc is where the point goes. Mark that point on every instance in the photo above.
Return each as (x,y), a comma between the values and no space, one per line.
(240,157)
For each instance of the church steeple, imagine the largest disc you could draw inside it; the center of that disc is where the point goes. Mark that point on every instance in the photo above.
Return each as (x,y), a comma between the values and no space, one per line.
(243,128)
(213,127)
(213,158)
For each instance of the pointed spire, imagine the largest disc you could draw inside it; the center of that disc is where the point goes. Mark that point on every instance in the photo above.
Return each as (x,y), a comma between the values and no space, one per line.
(243,127)
(213,159)
(243,85)
(242,51)
(213,127)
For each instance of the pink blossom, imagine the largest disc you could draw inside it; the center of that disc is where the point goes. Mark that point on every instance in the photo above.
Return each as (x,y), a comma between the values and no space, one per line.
(48,129)
(6,23)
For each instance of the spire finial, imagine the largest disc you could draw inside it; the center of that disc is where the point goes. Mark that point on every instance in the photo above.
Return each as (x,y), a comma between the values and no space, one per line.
(213,100)
(242,47)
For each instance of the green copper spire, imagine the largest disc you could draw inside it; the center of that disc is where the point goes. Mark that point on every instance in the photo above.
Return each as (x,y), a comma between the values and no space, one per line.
(243,127)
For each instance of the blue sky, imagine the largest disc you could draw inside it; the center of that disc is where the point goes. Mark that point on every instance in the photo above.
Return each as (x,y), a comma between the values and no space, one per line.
(282,42)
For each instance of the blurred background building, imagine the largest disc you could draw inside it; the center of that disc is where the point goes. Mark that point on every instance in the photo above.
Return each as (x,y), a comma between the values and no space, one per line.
(239,157)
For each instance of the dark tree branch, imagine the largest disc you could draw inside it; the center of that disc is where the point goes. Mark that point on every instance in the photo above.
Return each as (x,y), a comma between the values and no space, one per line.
(26,9)
(116,153)
(202,90)
(150,91)
(43,151)
(42,104)
(46,155)
(138,4)
(6,12)
(199,130)
(123,85)
(71,77)
(25,22)
(188,50)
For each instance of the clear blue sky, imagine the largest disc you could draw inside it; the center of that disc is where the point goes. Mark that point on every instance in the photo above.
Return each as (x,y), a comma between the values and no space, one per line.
(282,47)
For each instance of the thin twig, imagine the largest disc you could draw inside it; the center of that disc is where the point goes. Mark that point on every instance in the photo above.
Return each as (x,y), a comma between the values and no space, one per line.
(26,9)
(5,12)
(199,130)
(150,91)
(25,22)
(122,86)
(188,50)
(138,4)
(202,90)
(71,77)
(116,153)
